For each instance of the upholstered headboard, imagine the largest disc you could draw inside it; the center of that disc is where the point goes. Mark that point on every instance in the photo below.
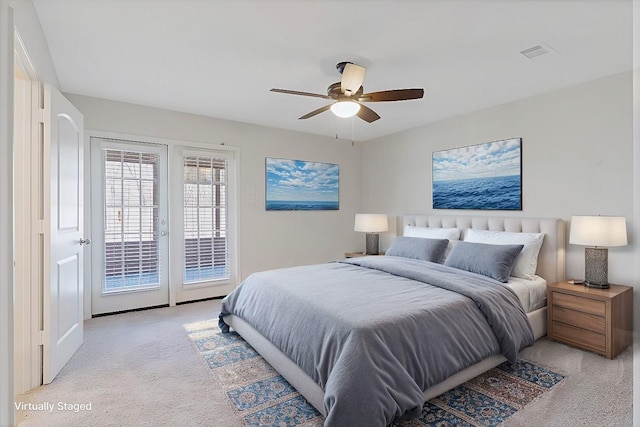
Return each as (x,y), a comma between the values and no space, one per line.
(551,260)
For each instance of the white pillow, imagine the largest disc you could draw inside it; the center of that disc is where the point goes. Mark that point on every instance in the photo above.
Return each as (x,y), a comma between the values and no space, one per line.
(431,233)
(527,261)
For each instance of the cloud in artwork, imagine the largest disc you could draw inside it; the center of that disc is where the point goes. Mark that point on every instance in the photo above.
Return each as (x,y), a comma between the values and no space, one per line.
(296,180)
(500,158)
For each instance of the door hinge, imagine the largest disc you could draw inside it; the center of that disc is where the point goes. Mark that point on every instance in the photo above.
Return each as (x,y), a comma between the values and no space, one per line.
(41,226)
(39,115)
(41,337)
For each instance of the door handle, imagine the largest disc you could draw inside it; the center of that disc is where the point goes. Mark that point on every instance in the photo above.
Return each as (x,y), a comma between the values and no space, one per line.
(85,241)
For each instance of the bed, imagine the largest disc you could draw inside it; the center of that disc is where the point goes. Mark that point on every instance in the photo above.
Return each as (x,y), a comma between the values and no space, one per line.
(385,374)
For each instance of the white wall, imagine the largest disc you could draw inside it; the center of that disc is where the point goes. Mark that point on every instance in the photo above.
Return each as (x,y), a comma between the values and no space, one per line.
(577,159)
(266,239)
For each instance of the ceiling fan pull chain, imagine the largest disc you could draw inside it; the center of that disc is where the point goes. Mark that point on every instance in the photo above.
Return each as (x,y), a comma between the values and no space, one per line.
(352,131)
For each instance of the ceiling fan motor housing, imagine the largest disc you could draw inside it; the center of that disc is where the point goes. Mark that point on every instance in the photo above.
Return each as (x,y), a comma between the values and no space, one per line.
(340,66)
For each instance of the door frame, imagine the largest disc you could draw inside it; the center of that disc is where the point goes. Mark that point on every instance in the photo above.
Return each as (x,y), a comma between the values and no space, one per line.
(28,315)
(7,38)
(173,145)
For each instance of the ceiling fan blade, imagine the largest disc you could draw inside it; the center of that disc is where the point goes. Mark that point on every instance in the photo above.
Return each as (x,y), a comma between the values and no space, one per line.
(295,92)
(352,78)
(367,114)
(392,95)
(315,112)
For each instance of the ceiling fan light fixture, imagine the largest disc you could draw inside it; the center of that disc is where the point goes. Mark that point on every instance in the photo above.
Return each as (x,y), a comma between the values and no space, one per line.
(345,109)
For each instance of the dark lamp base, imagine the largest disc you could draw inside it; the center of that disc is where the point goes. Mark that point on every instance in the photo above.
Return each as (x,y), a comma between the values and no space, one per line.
(372,244)
(596,285)
(596,267)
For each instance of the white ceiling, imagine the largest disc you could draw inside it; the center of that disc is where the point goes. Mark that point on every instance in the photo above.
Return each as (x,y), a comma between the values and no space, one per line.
(219,58)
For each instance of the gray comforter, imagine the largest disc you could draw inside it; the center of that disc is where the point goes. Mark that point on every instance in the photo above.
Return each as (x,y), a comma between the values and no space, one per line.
(375,332)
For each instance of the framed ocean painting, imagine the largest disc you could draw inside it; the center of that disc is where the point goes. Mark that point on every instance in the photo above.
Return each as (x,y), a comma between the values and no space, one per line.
(298,185)
(482,176)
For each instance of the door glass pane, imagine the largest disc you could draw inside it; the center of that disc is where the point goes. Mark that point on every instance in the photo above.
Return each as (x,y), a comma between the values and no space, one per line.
(206,254)
(131,220)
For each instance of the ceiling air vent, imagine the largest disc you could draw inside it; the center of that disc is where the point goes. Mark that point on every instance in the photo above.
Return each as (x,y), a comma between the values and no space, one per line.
(540,49)
(535,51)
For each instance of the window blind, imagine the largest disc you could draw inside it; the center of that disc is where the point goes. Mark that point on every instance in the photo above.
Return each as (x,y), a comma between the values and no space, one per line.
(206,240)
(131,253)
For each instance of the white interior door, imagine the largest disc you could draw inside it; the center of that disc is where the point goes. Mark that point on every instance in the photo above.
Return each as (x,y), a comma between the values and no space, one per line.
(63,291)
(129,226)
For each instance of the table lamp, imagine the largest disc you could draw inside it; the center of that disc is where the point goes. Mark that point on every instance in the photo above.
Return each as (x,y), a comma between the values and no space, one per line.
(598,233)
(372,224)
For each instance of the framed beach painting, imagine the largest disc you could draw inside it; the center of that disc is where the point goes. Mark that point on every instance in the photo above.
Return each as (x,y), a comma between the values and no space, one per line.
(298,185)
(482,176)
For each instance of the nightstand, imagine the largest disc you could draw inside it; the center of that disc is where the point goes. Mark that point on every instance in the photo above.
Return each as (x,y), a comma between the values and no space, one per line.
(357,254)
(598,320)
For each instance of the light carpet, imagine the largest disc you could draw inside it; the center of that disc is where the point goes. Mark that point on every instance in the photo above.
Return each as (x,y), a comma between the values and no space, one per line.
(261,397)
(141,369)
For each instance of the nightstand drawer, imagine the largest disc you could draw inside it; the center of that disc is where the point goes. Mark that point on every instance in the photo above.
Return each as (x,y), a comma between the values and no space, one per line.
(580,337)
(586,305)
(582,320)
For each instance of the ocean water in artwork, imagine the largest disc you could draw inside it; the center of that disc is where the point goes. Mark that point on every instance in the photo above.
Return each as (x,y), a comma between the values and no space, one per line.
(499,193)
(292,205)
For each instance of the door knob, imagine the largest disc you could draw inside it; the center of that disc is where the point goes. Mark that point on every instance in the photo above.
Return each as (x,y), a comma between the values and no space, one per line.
(85,241)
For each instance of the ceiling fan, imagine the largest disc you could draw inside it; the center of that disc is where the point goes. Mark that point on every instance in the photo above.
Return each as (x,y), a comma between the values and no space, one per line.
(349,95)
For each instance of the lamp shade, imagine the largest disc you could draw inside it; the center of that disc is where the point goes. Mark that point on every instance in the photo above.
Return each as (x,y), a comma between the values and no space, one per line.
(345,109)
(371,223)
(598,231)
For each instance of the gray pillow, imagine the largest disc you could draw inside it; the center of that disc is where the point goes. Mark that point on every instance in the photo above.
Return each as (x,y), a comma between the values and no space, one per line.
(418,248)
(495,261)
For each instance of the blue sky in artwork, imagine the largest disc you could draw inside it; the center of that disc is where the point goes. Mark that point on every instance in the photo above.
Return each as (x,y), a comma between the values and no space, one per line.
(296,180)
(500,158)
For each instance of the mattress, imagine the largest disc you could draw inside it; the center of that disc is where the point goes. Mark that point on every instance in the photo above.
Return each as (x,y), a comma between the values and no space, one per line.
(531,293)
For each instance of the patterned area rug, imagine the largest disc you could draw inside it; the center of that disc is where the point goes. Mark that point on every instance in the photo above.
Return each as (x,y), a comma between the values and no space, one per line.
(261,397)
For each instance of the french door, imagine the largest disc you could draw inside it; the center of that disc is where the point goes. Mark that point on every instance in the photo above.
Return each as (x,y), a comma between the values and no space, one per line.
(203,248)
(130,255)
(139,259)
